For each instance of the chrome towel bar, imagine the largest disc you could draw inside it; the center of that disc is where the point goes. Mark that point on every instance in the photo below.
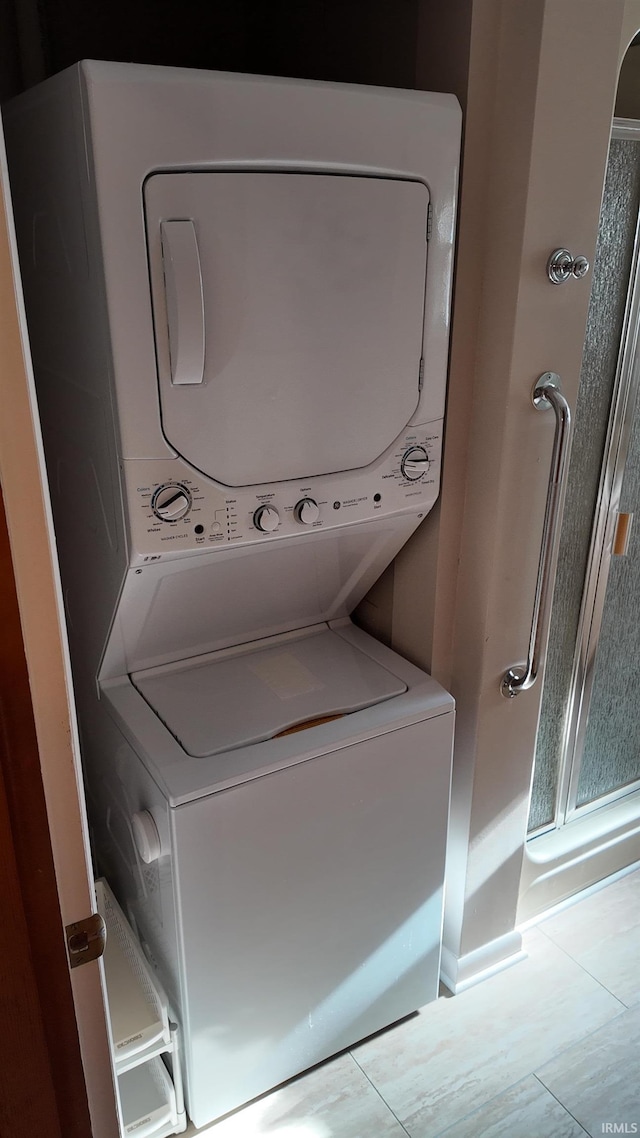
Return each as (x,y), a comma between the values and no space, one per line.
(546,393)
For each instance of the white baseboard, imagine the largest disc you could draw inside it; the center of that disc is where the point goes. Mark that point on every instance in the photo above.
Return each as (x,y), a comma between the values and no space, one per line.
(461,972)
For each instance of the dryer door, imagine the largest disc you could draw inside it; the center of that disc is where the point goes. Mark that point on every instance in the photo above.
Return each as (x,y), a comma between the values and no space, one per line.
(289,316)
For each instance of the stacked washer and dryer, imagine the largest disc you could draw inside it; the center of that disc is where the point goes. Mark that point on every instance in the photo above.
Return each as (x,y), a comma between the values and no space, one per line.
(238,294)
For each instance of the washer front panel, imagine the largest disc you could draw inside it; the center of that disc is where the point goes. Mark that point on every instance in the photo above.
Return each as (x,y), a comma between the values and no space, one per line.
(311,906)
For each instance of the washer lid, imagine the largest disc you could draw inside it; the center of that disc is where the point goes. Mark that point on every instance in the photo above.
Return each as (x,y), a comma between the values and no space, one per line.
(236,698)
(289,313)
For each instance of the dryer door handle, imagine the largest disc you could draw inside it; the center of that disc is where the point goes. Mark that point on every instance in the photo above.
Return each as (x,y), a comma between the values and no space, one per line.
(185,300)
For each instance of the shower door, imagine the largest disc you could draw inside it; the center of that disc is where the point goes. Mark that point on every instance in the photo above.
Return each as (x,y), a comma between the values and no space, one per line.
(588,743)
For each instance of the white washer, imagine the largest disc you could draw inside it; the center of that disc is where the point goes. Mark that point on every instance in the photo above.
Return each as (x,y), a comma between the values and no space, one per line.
(238,299)
(307,868)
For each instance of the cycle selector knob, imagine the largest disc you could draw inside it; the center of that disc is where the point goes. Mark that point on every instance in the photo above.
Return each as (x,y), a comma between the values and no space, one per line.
(306,511)
(171,502)
(415,463)
(266,519)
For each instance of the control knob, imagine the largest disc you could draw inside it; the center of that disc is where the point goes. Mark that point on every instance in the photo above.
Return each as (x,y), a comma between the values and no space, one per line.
(266,519)
(307,511)
(415,463)
(171,502)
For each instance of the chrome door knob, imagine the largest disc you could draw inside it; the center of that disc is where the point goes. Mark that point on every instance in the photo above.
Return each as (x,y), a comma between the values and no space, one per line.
(562,265)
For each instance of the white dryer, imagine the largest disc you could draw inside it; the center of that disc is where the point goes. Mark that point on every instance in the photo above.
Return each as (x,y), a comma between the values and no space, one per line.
(238,298)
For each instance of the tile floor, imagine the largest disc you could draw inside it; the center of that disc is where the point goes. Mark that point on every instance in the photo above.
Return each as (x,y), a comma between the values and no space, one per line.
(547,1049)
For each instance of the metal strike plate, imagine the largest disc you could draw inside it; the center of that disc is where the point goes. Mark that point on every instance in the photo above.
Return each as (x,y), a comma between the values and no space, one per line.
(86,940)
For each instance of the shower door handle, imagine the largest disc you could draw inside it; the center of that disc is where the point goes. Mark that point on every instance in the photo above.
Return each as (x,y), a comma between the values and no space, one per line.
(546,393)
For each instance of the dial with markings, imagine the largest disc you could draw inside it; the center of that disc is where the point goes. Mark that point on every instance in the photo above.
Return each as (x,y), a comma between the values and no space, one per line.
(171,502)
(415,463)
(307,511)
(266,519)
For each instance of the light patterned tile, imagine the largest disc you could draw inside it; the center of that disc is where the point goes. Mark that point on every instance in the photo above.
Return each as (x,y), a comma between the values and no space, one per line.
(526,1109)
(603,934)
(458,1054)
(332,1101)
(598,1080)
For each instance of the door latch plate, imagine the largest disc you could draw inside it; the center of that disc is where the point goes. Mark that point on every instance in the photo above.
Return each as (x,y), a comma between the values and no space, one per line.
(85,940)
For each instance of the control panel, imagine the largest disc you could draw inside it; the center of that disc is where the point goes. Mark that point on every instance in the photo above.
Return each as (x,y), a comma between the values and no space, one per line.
(172,507)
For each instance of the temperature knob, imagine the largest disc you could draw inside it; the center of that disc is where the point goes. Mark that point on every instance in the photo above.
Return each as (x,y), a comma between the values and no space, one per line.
(307,511)
(266,519)
(415,463)
(171,502)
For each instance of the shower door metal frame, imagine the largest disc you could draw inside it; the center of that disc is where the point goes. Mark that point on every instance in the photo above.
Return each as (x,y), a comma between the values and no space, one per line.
(625,402)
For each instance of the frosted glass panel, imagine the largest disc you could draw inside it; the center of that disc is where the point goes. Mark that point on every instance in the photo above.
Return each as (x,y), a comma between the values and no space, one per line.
(611,755)
(611,270)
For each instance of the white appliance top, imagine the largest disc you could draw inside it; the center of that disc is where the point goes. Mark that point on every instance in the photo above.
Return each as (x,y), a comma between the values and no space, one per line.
(289,312)
(236,699)
(183,777)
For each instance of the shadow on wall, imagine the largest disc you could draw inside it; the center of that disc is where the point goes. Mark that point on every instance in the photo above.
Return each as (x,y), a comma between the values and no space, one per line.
(628,97)
(353,41)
